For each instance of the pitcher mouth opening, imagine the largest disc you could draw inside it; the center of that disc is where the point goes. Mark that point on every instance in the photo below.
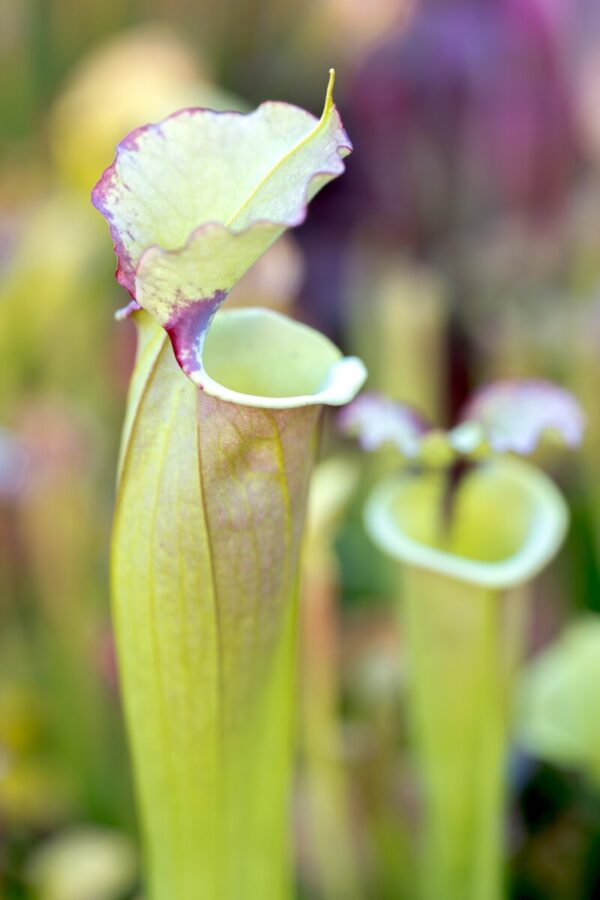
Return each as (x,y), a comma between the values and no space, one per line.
(258,357)
(508,521)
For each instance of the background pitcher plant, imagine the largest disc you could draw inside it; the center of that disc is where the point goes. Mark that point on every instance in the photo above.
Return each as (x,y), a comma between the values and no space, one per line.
(470,528)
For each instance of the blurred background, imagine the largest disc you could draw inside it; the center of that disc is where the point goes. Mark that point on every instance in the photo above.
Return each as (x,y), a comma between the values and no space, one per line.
(462,245)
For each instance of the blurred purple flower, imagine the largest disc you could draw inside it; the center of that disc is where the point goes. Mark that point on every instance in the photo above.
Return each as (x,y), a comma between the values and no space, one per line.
(503,417)
(515,414)
(464,114)
(376,420)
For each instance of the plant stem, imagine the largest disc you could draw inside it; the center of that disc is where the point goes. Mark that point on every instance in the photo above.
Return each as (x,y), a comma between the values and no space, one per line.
(462,657)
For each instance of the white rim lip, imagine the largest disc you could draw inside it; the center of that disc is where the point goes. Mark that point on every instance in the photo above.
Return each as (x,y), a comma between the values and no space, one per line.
(546,533)
(341,384)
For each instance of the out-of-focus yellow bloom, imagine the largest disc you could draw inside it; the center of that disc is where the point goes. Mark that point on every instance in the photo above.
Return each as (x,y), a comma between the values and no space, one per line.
(42,316)
(84,864)
(140,76)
